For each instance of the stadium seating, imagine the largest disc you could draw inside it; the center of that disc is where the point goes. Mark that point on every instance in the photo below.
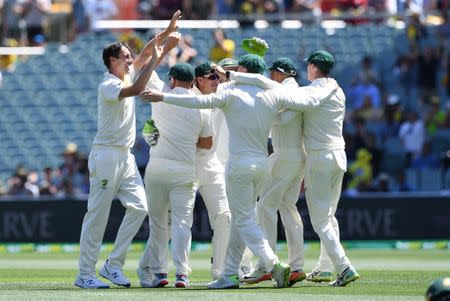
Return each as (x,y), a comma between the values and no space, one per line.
(50,100)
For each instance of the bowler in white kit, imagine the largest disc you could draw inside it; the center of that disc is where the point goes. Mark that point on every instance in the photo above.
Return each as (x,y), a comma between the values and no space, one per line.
(112,167)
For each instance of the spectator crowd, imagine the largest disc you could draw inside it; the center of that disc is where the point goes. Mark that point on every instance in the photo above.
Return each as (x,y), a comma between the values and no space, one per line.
(389,129)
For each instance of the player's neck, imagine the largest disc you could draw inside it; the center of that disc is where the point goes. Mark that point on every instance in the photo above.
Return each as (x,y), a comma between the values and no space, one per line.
(118,74)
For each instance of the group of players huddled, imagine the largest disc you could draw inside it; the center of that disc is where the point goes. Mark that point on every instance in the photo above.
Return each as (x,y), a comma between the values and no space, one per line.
(209,132)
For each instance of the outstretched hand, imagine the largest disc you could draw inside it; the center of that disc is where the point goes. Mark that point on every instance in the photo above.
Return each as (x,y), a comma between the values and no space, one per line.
(173,22)
(172,41)
(151,96)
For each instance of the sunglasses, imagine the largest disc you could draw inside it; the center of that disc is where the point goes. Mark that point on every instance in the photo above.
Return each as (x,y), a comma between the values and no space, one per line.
(213,76)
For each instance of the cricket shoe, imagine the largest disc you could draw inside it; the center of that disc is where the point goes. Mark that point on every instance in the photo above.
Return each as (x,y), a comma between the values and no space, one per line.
(318,276)
(258,275)
(115,275)
(181,281)
(90,282)
(145,276)
(147,279)
(347,276)
(280,274)
(159,280)
(296,276)
(245,269)
(225,282)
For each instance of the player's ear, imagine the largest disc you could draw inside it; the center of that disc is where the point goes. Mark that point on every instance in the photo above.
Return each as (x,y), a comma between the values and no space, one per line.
(172,82)
(112,59)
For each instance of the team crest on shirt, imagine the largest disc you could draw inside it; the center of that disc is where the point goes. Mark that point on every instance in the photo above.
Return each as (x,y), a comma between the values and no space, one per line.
(104,183)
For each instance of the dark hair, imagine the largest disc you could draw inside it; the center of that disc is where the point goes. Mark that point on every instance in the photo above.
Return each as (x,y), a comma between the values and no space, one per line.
(321,72)
(112,50)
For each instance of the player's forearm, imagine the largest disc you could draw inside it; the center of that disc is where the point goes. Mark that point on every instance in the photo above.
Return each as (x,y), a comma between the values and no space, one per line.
(253,79)
(139,84)
(145,75)
(306,98)
(191,101)
(145,55)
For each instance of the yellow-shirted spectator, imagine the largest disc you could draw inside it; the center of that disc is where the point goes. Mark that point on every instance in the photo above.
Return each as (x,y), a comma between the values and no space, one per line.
(361,171)
(223,47)
(133,41)
(7,62)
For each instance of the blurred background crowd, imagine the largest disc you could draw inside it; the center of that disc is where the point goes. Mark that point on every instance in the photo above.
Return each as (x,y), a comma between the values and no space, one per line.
(393,62)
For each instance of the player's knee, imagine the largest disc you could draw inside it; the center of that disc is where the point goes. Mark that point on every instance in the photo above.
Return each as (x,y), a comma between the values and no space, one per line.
(319,225)
(222,220)
(141,210)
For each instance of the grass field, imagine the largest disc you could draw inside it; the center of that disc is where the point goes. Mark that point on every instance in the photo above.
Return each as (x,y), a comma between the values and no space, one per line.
(385,275)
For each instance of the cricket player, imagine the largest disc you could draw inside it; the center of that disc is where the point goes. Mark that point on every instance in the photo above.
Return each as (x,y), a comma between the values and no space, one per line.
(211,174)
(326,162)
(282,190)
(249,118)
(112,167)
(171,182)
(229,64)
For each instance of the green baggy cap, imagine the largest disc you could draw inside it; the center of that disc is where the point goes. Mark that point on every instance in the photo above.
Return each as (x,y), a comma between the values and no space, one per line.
(203,69)
(254,63)
(284,65)
(182,71)
(227,62)
(322,59)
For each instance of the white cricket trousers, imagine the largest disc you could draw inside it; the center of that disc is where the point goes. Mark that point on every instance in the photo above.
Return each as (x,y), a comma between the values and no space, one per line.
(244,178)
(281,193)
(211,176)
(324,172)
(113,172)
(170,187)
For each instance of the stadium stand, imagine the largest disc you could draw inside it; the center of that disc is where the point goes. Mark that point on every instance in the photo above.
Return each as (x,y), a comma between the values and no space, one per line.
(50,100)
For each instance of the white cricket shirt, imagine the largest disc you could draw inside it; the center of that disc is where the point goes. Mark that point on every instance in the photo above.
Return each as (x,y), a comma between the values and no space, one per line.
(323,106)
(248,119)
(287,138)
(116,117)
(179,129)
(322,128)
(219,148)
(249,113)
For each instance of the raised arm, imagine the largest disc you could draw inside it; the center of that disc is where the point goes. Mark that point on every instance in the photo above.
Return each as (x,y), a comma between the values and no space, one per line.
(139,84)
(147,51)
(305,98)
(214,100)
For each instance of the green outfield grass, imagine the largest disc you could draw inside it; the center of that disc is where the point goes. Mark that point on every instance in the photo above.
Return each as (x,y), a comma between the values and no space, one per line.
(385,275)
